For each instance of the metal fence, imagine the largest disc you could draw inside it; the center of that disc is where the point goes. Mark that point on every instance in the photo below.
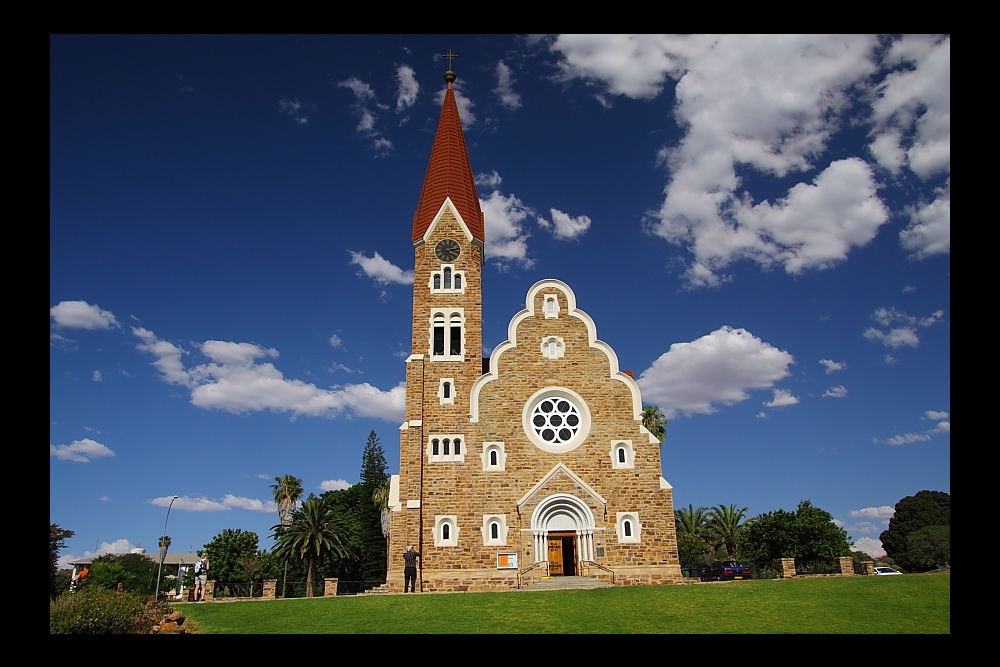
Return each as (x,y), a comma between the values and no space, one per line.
(770,570)
(242,589)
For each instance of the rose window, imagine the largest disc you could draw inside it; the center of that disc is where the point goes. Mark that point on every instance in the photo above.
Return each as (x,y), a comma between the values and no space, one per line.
(556,420)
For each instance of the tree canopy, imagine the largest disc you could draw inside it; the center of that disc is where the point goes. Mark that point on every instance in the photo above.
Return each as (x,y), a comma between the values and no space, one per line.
(807,533)
(373,541)
(287,492)
(315,531)
(654,421)
(57,540)
(913,513)
(224,552)
(135,572)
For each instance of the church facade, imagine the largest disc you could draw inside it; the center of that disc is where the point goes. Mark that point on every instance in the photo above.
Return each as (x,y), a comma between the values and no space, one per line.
(533,462)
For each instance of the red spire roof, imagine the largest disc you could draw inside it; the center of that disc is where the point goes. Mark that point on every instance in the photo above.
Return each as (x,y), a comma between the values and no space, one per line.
(449,174)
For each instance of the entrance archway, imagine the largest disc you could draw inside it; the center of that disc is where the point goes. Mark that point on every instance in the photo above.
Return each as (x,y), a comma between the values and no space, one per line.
(563,528)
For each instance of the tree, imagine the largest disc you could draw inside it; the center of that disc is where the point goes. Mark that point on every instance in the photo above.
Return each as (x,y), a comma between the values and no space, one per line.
(807,533)
(693,551)
(315,531)
(287,492)
(57,540)
(928,548)
(925,508)
(135,572)
(654,421)
(725,525)
(373,541)
(251,567)
(224,552)
(691,520)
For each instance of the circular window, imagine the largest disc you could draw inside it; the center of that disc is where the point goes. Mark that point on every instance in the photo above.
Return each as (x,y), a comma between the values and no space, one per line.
(556,420)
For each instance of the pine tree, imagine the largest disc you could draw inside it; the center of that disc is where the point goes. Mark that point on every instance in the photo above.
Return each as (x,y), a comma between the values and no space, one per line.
(373,543)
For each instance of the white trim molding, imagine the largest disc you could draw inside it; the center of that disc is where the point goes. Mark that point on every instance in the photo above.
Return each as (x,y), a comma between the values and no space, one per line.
(628,527)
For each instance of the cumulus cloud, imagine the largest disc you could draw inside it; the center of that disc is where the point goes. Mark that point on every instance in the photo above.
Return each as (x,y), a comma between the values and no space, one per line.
(97,377)
(833,366)
(943,426)
(564,226)
(506,237)
(907,439)
(764,103)
(365,106)
(82,315)
(381,270)
(782,397)
(936,414)
(236,381)
(505,87)
(836,392)
(408,89)
(335,340)
(122,546)
(719,368)
(202,504)
(882,513)
(902,328)
(80,451)
(334,485)
(870,546)
(929,231)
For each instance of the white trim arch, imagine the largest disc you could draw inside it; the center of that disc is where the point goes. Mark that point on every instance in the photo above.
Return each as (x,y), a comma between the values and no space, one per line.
(563,512)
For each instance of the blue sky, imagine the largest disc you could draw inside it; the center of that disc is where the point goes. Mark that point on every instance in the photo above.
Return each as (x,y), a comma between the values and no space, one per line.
(759,226)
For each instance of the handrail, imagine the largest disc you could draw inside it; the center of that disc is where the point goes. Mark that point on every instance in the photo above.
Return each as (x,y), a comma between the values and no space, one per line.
(529,569)
(601,567)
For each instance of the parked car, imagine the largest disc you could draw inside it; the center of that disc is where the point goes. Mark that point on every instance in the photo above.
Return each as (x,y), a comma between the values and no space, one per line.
(726,570)
(886,570)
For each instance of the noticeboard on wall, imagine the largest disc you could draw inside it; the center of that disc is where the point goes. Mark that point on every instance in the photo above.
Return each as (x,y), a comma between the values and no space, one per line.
(507,561)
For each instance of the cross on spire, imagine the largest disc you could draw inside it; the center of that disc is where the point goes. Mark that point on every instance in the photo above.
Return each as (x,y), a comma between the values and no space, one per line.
(450,56)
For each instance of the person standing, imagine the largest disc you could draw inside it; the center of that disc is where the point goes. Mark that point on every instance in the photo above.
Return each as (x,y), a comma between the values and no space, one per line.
(200,576)
(410,569)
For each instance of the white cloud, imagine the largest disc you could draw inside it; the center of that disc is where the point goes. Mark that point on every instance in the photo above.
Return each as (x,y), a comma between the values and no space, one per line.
(262,475)
(202,504)
(782,398)
(870,546)
(235,382)
(908,438)
(97,377)
(364,97)
(909,289)
(295,109)
(506,238)
(121,546)
(833,366)
(935,414)
(564,226)
(80,451)
(899,336)
(105,499)
(491,180)
(836,392)
(335,340)
(381,270)
(768,103)
(82,315)
(334,485)
(929,231)
(718,368)
(463,103)
(505,89)
(889,359)
(882,513)
(406,93)
(942,427)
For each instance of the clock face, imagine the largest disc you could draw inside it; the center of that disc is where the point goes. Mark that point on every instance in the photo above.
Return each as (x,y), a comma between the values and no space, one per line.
(447,250)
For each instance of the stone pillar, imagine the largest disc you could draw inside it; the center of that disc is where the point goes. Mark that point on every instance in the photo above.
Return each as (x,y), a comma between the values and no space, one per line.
(846,566)
(210,590)
(787,567)
(869,567)
(270,586)
(330,587)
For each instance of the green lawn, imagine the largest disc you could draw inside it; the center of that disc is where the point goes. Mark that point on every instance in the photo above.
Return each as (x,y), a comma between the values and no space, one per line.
(907,604)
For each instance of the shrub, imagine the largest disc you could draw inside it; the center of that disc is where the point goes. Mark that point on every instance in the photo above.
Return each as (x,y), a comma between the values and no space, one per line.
(101,612)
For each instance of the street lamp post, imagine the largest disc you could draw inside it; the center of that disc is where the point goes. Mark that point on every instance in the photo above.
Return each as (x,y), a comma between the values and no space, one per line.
(163,551)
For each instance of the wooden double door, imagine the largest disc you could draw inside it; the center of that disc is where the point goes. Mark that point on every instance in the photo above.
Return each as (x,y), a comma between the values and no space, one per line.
(562,554)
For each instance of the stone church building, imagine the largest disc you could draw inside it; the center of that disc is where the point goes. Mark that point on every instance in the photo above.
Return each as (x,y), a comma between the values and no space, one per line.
(532,462)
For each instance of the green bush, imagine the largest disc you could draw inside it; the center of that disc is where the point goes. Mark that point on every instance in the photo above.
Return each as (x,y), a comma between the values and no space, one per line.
(101,612)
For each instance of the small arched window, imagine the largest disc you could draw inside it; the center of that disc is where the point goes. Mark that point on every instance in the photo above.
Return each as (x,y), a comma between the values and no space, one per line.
(455,346)
(437,281)
(447,278)
(622,455)
(493,457)
(434,447)
(458,281)
(445,531)
(494,531)
(550,306)
(458,447)
(447,390)
(627,528)
(446,444)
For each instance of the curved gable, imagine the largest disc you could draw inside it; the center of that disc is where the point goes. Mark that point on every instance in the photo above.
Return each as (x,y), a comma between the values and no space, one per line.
(533,309)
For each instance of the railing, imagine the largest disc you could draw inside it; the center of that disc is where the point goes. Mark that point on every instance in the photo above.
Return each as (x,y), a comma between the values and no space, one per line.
(860,567)
(600,567)
(240,589)
(297,589)
(529,569)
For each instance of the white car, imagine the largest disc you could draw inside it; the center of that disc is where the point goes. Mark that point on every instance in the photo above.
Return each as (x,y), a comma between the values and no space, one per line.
(886,570)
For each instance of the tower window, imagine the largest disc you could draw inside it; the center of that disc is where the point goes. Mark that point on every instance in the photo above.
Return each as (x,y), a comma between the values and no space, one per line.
(447,280)
(446,390)
(627,527)
(447,334)
(445,449)
(493,457)
(494,531)
(458,280)
(446,441)
(446,531)
(435,447)
(622,455)
(437,281)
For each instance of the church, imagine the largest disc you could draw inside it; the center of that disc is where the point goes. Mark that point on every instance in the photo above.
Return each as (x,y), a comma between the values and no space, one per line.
(532,462)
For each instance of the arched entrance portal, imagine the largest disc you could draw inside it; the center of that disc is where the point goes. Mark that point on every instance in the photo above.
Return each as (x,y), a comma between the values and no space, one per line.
(563,527)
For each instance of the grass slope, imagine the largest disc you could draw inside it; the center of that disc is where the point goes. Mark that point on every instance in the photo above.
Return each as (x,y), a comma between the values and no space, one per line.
(907,604)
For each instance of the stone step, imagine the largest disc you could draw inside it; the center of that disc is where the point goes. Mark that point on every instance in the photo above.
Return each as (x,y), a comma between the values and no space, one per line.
(566,583)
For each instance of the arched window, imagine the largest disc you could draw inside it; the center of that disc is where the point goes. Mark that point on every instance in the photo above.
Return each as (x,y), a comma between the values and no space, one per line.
(445,531)
(493,457)
(456,334)
(458,280)
(622,457)
(494,531)
(438,348)
(437,281)
(447,390)
(435,443)
(550,306)
(627,528)
(447,278)
(446,441)
(458,447)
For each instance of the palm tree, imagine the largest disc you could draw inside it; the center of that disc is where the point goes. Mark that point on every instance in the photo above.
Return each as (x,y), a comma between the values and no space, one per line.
(381,500)
(654,421)
(287,493)
(691,520)
(725,524)
(314,532)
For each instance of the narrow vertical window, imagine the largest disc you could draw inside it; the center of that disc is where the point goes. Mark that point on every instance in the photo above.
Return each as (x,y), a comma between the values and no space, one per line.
(493,457)
(621,455)
(458,447)
(447,278)
(455,346)
(458,281)
(434,447)
(627,528)
(552,348)
(446,393)
(494,531)
(437,281)
(438,348)
(550,306)
(445,531)
(446,444)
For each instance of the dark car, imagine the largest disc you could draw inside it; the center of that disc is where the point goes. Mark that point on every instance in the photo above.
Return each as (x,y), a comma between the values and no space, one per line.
(726,570)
